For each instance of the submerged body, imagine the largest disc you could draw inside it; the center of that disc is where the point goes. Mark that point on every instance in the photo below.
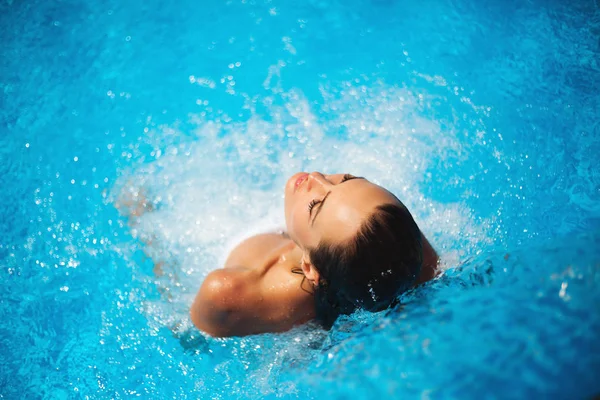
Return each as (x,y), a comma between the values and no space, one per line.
(349,244)
(259,291)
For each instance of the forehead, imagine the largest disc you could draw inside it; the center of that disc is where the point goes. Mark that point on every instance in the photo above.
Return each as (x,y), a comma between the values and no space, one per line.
(348,205)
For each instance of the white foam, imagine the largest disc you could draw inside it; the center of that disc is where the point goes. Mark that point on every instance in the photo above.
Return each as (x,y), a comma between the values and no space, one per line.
(225,182)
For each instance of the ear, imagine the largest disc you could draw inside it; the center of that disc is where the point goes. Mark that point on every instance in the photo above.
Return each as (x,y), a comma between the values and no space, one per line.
(309,270)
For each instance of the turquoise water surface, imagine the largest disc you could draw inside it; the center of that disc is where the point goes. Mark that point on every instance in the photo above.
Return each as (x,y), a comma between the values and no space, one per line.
(481,116)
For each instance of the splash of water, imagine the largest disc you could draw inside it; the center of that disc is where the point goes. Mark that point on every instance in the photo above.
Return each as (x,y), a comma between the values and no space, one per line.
(224,181)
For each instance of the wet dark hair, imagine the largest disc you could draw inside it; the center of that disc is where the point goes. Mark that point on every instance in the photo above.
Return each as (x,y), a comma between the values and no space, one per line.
(372,269)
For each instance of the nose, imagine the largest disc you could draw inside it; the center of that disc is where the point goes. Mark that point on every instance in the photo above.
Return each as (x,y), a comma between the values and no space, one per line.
(318,181)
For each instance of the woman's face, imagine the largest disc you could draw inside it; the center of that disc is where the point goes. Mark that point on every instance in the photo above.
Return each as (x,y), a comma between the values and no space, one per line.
(329,207)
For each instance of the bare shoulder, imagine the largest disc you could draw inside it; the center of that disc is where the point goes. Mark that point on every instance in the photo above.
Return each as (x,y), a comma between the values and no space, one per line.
(242,301)
(215,302)
(255,292)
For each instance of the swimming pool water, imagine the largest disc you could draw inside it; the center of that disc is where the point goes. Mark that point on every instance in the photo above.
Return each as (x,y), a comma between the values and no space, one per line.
(481,117)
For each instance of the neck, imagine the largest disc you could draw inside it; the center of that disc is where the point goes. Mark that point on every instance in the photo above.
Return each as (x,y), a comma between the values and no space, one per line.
(292,254)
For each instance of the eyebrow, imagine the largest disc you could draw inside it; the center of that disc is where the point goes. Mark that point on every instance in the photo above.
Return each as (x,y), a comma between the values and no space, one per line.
(322,203)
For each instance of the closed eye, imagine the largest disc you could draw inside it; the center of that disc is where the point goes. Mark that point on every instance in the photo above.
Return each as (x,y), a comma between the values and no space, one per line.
(312,204)
(315,202)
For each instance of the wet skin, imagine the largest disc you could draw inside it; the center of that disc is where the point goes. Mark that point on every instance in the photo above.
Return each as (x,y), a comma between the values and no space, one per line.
(256,290)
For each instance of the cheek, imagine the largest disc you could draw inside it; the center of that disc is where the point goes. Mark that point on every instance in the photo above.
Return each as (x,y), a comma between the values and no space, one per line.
(289,211)
(296,223)
(296,218)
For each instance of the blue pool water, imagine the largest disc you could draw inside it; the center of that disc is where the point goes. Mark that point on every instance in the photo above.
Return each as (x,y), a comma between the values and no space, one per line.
(481,116)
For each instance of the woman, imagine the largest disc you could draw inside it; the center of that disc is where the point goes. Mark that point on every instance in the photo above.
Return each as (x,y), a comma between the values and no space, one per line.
(349,244)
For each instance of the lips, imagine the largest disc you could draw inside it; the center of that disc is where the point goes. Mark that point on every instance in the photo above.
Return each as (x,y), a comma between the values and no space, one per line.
(300,181)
